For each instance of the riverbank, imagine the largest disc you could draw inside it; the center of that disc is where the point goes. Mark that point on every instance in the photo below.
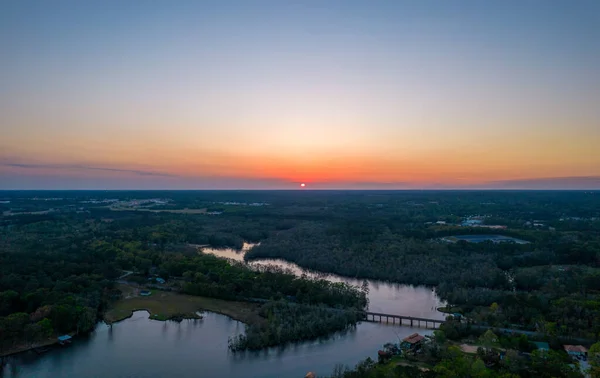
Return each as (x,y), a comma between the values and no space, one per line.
(24,348)
(164,305)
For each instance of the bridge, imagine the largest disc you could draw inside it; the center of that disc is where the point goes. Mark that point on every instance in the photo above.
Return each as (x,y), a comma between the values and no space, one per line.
(402,320)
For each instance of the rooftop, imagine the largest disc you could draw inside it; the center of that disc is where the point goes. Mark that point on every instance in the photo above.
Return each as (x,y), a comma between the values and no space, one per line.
(413,339)
(575,348)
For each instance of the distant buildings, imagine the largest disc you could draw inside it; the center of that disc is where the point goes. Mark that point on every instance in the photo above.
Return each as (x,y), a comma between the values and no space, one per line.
(233,203)
(478,222)
(471,222)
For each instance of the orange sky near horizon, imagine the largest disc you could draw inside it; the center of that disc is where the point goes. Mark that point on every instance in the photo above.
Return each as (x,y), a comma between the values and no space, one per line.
(467,162)
(452,95)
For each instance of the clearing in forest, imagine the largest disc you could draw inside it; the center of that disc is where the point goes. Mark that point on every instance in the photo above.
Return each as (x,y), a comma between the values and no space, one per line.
(163,305)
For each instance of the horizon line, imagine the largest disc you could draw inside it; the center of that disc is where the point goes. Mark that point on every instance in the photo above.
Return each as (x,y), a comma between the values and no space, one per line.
(314,190)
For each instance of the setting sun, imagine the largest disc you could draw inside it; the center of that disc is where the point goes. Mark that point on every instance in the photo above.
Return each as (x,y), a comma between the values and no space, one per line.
(303,185)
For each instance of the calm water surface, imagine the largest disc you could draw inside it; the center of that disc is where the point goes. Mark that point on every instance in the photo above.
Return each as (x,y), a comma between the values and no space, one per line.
(390,298)
(140,347)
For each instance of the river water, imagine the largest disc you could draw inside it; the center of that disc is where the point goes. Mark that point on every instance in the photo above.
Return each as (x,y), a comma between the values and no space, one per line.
(385,297)
(141,347)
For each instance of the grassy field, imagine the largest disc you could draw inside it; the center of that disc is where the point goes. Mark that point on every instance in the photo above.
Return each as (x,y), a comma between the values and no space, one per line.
(164,305)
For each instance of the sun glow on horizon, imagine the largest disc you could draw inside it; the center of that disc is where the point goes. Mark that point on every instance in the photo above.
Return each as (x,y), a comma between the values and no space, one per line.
(283,92)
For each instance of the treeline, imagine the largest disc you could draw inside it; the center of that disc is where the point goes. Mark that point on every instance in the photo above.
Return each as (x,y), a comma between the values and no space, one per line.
(374,251)
(289,322)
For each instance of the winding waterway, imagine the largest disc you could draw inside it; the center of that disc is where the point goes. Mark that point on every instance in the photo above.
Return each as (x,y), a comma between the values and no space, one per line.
(141,347)
(385,297)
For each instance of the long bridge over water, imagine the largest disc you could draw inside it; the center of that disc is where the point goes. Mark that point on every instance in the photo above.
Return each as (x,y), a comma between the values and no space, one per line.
(402,320)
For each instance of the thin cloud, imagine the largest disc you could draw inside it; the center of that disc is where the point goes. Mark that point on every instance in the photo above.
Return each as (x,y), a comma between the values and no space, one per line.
(87,168)
(580,182)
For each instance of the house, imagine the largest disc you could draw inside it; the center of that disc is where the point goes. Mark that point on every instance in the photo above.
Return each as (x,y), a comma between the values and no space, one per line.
(412,342)
(64,340)
(145,293)
(576,350)
(160,280)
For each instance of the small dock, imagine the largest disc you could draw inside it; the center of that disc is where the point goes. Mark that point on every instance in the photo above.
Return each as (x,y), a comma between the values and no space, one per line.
(64,340)
(402,320)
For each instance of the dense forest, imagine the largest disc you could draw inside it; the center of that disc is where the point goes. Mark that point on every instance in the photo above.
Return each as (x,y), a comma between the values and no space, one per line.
(290,322)
(58,269)
(61,252)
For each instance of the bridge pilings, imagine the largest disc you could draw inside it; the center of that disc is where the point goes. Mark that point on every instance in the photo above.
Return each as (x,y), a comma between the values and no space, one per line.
(419,322)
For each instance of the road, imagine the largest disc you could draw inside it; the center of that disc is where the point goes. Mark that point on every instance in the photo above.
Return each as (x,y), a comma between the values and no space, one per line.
(127,273)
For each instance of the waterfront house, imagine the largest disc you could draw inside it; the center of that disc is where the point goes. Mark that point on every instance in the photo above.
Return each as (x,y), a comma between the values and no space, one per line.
(412,342)
(576,350)
(145,293)
(160,280)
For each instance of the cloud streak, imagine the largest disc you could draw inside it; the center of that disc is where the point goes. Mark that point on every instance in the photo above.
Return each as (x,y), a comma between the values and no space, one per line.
(86,168)
(578,182)
(34,175)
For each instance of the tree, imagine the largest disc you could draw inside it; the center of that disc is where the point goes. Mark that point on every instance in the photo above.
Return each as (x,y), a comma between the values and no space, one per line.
(86,318)
(41,313)
(513,362)
(455,364)
(33,332)
(46,328)
(494,307)
(439,336)
(15,325)
(478,368)
(594,359)
(489,339)
(551,364)
(7,301)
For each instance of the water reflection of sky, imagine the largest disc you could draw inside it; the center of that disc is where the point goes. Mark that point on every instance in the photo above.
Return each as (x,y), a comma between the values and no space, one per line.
(386,297)
(141,347)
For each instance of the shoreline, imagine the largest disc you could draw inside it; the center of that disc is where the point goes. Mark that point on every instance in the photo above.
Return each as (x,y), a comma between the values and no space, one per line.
(164,305)
(154,316)
(22,349)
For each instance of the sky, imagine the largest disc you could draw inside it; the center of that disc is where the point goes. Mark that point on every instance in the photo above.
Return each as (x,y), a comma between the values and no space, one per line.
(269,94)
